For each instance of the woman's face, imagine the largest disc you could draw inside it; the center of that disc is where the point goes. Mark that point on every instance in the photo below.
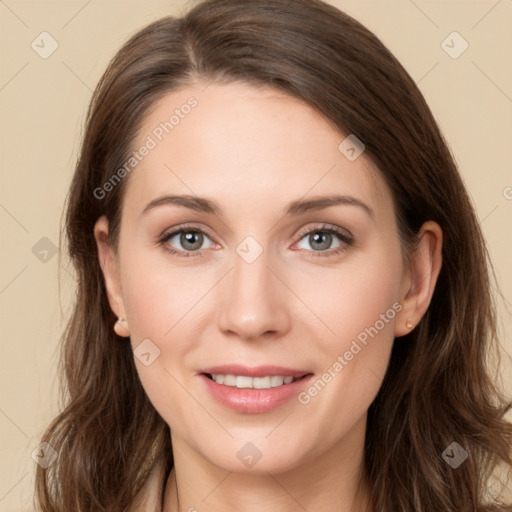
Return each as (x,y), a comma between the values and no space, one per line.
(268,277)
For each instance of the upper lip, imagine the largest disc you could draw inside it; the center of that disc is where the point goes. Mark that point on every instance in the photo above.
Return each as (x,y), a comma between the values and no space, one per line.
(254,371)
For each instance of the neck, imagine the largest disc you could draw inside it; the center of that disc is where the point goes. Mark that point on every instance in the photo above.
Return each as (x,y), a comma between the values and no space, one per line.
(332,480)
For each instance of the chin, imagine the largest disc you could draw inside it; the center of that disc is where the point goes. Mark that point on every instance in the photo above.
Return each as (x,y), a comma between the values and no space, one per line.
(258,457)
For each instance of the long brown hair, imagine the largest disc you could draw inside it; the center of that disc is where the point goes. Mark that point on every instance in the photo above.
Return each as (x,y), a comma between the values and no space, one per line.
(438,388)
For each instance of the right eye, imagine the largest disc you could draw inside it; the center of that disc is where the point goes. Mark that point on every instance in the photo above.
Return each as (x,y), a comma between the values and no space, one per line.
(191,240)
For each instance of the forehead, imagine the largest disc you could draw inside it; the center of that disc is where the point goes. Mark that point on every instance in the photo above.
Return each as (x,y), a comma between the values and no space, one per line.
(250,148)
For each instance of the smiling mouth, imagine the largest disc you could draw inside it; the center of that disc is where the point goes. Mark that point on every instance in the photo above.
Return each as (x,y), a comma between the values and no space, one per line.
(246,382)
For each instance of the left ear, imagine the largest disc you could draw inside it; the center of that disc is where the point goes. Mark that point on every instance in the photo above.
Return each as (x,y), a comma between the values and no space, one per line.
(420,281)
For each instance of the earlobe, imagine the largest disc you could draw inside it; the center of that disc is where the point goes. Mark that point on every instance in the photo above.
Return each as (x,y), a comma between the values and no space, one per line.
(121,327)
(425,265)
(109,267)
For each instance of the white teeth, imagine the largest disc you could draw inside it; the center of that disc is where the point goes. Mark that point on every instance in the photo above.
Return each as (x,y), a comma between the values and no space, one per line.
(242,381)
(229,380)
(276,381)
(261,382)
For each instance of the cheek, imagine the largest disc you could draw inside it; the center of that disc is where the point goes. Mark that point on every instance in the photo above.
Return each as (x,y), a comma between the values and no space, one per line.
(159,295)
(357,306)
(161,303)
(357,296)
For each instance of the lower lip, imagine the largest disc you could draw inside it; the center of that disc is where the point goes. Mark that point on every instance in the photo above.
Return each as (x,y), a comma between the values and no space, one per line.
(249,400)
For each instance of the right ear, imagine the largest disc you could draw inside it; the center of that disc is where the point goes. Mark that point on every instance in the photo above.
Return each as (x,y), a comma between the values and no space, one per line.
(110,269)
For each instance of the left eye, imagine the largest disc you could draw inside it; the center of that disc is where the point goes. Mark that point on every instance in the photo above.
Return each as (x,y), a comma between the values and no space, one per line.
(321,239)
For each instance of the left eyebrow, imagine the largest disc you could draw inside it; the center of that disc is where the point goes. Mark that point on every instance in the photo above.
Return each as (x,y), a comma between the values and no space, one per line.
(297,207)
(321,202)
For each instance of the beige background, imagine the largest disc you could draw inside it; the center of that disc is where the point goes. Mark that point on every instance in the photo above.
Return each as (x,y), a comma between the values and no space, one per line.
(42,107)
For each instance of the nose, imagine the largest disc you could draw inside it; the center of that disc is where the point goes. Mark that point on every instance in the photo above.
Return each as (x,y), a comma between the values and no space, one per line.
(254,301)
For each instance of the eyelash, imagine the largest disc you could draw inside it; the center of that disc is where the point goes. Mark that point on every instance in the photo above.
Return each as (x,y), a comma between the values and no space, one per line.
(346,239)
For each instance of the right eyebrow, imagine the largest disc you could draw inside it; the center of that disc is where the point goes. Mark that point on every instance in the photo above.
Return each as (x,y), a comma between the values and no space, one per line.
(199,204)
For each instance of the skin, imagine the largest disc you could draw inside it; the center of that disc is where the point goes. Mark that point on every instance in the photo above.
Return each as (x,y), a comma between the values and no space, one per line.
(254,150)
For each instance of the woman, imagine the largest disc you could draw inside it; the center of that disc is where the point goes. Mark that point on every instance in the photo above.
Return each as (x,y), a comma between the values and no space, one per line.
(217,357)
